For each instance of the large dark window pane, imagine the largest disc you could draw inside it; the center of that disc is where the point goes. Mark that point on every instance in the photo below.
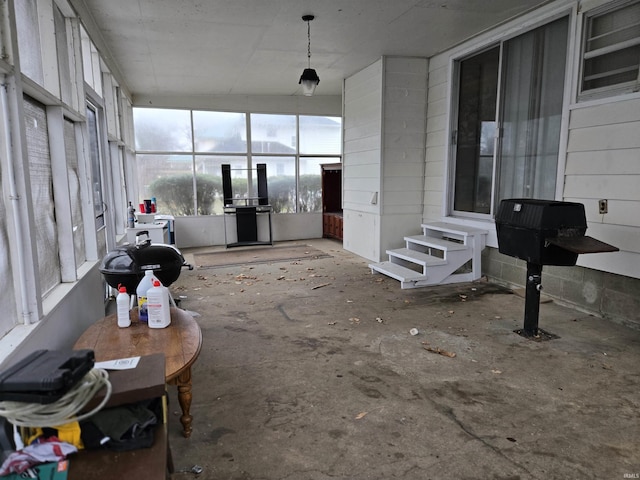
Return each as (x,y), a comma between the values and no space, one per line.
(476,131)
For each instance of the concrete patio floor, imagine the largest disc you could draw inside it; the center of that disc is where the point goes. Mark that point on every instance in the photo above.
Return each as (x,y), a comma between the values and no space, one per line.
(308,372)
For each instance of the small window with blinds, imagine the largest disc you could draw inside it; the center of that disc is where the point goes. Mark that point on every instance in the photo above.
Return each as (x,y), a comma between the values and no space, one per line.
(611,51)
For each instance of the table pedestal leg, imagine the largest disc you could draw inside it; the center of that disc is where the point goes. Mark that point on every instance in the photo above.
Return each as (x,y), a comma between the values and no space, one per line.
(183,382)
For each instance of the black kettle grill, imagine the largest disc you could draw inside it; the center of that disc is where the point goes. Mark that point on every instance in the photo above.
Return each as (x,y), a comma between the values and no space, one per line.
(543,232)
(125,265)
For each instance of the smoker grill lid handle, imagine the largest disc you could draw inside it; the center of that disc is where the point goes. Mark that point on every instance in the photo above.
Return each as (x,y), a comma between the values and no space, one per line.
(581,244)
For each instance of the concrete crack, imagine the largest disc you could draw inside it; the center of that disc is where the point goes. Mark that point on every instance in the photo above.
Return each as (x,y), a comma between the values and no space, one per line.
(284,313)
(449,413)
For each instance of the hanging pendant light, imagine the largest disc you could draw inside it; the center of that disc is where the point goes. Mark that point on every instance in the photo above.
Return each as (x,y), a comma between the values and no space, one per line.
(309,78)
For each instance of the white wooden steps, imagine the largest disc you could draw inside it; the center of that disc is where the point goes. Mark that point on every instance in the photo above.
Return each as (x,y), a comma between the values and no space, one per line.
(444,253)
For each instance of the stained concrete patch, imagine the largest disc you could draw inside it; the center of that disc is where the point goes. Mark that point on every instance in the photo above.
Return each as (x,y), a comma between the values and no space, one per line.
(248,256)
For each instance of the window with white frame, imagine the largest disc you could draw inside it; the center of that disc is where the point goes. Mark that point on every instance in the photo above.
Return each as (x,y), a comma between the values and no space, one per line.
(41,181)
(95,152)
(62,48)
(41,39)
(180,154)
(9,316)
(91,62)
(73,174)
(509,110)
(4,34)
(611,50)
(29,40)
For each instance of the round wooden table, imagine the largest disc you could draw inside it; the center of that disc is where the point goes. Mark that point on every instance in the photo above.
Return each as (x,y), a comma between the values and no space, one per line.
(180,342)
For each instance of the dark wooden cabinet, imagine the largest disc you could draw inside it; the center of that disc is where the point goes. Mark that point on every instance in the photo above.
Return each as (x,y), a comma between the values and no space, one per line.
(332,200)
(332,225)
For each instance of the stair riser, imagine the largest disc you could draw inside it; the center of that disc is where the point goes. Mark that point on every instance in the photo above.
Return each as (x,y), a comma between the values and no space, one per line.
(408,264)
(447,236)
(411,258)
(434,251)
(416,244)
(449,257)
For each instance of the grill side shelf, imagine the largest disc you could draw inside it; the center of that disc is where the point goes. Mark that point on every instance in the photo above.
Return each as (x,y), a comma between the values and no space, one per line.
(581,245)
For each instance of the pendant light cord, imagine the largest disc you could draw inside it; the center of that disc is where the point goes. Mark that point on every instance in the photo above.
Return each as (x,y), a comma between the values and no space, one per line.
(309,43)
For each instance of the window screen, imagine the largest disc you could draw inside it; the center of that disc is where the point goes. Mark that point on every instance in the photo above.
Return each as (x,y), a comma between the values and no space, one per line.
(96,167)
(29,40)
(320,135)
(71,155)
(220,132)
(63,55)
(42,193)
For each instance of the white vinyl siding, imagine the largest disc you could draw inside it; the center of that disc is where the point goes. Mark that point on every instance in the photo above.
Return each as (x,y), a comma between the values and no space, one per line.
(384,141)
(361,171)
(404,136)
(362,138)
(436,149)
(603,162)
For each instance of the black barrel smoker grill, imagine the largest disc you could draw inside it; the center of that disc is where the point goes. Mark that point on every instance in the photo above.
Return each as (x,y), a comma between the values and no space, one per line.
(543,232)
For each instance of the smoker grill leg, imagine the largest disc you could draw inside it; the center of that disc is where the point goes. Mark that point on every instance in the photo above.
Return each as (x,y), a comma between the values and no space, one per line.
(532,299)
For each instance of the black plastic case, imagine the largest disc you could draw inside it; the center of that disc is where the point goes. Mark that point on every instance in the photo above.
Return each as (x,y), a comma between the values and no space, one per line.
(45,376)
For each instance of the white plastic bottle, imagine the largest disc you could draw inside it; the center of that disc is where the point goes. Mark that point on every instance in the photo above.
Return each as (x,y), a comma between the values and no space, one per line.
(131,220)
(158,306)
(122,307)
(141,292)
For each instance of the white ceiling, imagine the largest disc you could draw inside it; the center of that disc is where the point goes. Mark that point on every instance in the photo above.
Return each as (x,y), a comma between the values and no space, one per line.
(259,47)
